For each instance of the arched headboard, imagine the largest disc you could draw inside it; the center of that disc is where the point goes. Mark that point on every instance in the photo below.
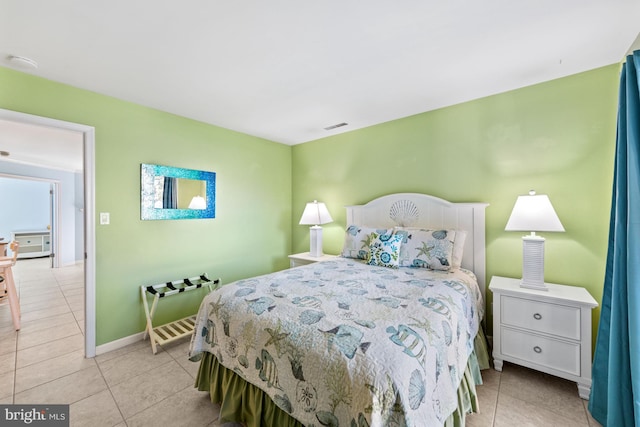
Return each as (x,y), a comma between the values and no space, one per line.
(422,210)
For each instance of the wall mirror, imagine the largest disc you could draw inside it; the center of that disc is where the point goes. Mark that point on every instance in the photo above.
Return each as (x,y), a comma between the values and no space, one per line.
(176,193)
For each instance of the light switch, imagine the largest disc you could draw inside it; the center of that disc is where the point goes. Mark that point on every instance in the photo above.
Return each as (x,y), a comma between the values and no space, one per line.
(104,218)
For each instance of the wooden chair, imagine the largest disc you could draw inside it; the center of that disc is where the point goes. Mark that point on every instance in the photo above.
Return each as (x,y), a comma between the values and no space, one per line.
(7,284)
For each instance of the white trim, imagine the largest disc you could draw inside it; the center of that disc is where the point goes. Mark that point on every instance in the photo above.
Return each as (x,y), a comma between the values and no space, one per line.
(89,242)
(89,220)
(56,214)
(119,343)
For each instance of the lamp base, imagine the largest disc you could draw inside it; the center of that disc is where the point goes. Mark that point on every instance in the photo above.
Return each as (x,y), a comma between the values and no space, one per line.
(542,287)
(533,263)
(315,237)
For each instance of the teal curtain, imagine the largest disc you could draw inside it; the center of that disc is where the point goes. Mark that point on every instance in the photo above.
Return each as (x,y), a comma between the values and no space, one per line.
(615,391)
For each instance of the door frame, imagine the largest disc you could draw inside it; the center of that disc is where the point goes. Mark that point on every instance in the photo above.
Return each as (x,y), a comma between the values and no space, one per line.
(88,133)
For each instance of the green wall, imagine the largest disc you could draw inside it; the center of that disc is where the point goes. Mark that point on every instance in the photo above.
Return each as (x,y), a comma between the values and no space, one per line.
(250,235)
(556,137)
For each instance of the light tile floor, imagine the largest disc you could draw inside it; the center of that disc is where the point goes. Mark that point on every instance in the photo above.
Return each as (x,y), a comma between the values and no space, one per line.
(44,363)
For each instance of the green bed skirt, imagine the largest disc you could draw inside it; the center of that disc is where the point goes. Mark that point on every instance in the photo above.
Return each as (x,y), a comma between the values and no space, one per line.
(245,403)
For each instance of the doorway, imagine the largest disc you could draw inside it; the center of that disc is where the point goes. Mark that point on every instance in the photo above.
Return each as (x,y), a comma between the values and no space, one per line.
(88,178)
(34,211)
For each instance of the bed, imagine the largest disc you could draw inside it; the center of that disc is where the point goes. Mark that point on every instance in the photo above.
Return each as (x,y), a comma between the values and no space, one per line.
(387,334)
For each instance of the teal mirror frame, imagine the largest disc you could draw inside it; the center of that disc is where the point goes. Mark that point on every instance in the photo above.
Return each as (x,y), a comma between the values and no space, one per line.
(148,173)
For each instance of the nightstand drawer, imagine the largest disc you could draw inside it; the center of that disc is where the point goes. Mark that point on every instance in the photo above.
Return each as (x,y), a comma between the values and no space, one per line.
(556,354)
(554,319)
(25,241)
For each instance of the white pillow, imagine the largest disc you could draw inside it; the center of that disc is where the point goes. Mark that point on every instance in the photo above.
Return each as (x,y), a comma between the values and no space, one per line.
(458,249)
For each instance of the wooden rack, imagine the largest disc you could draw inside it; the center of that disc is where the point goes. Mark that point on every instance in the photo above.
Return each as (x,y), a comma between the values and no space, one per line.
(177,329)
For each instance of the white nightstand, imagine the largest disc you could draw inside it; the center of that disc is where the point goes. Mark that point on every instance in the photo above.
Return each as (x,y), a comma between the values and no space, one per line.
(305,258)
(549,331)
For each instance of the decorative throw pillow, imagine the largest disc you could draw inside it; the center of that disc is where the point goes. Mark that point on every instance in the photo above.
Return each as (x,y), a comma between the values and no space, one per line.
(458,245)
(431,249)
(384,250)
(357,240)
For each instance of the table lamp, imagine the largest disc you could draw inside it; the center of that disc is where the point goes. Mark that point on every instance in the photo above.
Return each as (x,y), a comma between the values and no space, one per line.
(533,212)
(314,214)
(198,202)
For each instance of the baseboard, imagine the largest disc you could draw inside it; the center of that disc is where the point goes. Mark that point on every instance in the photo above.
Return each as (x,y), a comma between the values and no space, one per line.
(122,342)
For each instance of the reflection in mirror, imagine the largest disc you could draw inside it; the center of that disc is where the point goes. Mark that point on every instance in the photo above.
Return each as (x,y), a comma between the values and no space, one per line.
(176,193)
(198,202)
(179,193)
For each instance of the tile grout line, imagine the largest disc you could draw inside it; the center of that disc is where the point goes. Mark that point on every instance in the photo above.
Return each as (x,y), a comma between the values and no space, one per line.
(15,358)
(556,413)
(15,366)
(194,386)
(63,295)
(48,358)
(15,370)
(495,410)
(143,373)
(124,420)
(55,379)
(69,305)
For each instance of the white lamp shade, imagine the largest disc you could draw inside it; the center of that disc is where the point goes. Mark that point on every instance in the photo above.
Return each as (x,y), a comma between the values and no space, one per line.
(315,213)
(198,202)
(533,213)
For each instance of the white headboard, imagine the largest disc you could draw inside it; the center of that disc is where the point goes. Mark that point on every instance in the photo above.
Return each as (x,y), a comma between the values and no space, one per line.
(422,210)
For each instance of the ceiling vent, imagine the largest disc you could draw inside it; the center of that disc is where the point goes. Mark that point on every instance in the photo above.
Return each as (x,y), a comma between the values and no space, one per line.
(339,125)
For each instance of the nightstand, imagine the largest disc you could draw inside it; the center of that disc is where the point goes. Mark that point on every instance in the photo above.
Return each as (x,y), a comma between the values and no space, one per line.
(305,258)
(549,331)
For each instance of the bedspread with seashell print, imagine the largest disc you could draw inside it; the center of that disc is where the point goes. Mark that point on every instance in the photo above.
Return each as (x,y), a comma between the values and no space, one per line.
(342,343)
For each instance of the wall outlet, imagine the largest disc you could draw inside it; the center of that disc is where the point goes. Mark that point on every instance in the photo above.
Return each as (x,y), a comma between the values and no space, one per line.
(104,218)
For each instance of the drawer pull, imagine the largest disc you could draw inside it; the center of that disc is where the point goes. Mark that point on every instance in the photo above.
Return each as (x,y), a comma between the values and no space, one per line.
(537,349)
(537,316)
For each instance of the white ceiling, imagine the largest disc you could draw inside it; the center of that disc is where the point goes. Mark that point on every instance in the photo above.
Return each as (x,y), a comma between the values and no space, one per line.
(41,146)
(285,69)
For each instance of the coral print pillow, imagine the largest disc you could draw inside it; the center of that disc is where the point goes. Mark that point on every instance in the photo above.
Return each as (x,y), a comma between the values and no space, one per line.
(357,240)
(431,249)
(384,250)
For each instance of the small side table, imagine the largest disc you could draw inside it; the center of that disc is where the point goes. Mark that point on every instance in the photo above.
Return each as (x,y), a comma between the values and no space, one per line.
(549,331)
(305,258)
